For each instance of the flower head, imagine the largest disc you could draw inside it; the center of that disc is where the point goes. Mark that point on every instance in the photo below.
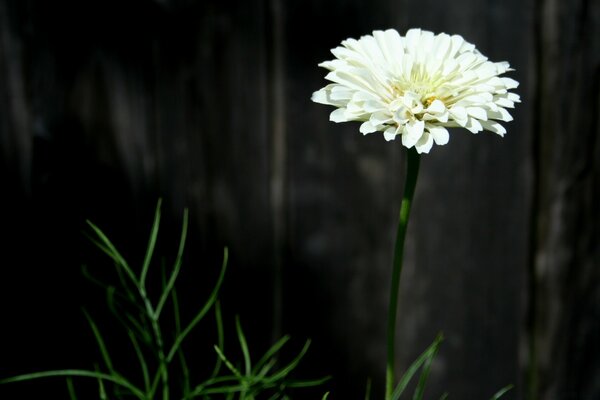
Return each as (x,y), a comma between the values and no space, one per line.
(416,86)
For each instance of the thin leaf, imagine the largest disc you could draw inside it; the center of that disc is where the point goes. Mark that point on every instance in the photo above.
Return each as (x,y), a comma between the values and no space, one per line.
(116,379)
(131,323)
(282,373)
(501,392)
(183,363)
(199,389)
(325,396)
(71,389)
(414,367)
(420,389)
(368,389)
(101,389)
(151,244)
(107,247)
(244,346)
(228,364)
(307,383)
(176,267)
(141,359)
(209,303)
(272,351)
(444,396)
(155,381)
(220,338)
(100,341)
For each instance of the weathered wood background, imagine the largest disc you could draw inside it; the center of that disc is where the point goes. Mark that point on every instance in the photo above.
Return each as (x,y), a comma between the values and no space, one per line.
(107,105)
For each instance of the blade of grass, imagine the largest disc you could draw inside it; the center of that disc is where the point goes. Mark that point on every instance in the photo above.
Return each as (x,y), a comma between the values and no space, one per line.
(101,389)
(116,379)
(444,396)
(243,346)
(151,244)
(307,383)
(414,367)
(107,246)
(282,373)
(228,364)
(131,323)
(199,389)
(220,338)
(141,359)
(272,351)
(501,392)
(420,389)
(176,267)
(368,389)
(71,389)
(209,303)
(101,345)
(182,361)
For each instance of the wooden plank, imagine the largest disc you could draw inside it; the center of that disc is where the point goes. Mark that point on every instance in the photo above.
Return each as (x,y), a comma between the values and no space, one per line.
(564,282)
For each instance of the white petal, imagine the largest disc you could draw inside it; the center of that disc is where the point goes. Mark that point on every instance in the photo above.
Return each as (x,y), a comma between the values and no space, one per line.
(425,143)
(500,114)
(514,97)
(367,127)
(478,113)
(440,134)
(389,134)
(338,115)
(436,107)
(504,102)
(412,132)
(373,106)
(459,114)
(320,96)
(380,118)
(494,127)
(510,83)
(474,125)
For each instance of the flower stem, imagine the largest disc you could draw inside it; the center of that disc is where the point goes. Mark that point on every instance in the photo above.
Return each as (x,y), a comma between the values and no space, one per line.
(412,172)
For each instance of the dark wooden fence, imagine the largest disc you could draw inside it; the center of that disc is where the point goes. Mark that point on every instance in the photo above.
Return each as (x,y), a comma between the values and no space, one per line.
(107,105)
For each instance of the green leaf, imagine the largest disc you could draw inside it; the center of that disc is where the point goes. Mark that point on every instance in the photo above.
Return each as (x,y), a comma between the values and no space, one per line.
(414,367)
(444,396)
(151,244)
(101,389)
(116,379)
(141,359)
(243,345)
(176,267)
(107,247)
(71,389)
(220,338)
(101,345)
(325,396)
(182,361)
(271,352)
(501,392)
(307,382)
(228,364)
(282,373)
(420,389)
(368,389)
(209,303)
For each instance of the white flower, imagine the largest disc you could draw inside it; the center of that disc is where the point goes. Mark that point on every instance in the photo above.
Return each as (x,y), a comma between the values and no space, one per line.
(416,86)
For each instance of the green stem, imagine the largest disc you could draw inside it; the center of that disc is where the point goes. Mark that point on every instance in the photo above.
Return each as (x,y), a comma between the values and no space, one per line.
(412,173)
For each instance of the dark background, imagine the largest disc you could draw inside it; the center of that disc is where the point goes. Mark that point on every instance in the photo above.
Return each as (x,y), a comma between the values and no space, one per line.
(105,106)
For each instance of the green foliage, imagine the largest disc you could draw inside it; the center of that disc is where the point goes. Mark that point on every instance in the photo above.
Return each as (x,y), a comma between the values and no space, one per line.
(423,362)
(163,366)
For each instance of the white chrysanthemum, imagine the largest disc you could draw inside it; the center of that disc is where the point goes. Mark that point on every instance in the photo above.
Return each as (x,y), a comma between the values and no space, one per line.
(416,86)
